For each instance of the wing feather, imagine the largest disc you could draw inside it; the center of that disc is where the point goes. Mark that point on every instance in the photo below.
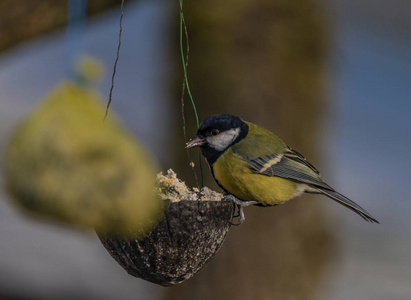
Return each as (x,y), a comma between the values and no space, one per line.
(275,158)
(290,165)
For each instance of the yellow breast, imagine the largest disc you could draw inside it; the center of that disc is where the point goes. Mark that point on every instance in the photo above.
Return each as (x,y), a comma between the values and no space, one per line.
(233,174)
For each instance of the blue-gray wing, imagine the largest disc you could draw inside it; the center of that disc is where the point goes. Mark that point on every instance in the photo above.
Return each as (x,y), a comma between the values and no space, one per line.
(290,165)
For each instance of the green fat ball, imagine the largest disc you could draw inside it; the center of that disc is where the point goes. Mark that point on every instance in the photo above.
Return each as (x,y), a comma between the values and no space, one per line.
(63,162)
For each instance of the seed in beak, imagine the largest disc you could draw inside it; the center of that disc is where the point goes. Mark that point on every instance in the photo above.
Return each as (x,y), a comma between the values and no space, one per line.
(197,141)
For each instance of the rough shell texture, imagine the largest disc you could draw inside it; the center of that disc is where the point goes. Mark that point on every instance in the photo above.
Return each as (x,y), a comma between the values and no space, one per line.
(186,238)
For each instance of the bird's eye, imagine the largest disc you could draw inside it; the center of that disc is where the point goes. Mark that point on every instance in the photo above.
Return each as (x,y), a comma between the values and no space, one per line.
(215,132)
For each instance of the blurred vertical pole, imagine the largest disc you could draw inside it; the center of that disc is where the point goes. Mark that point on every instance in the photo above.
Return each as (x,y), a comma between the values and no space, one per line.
(263,60)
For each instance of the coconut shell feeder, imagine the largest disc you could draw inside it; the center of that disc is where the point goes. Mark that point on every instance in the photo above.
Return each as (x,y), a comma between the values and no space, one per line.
(191,231)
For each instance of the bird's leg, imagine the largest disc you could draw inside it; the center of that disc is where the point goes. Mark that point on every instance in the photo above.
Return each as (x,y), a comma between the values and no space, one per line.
(240,204)
(234,214)
(241,214)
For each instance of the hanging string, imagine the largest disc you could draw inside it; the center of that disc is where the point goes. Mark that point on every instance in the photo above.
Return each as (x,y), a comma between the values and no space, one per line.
(76,22)
(184,59)
(116,61)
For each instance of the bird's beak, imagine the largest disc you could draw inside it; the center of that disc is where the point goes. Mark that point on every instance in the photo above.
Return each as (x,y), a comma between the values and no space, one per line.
(197,141)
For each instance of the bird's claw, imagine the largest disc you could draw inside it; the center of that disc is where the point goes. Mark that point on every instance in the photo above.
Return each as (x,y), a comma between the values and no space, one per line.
(240,214)
(239,207)
(239,204)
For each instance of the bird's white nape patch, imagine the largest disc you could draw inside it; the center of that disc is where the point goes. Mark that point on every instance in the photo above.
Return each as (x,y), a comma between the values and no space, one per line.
(222,140)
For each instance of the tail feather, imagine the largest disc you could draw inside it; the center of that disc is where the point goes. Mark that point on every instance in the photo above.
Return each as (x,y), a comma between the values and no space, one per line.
(349,204)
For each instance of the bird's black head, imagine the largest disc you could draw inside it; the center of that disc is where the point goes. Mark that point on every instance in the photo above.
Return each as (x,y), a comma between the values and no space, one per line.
(217,133)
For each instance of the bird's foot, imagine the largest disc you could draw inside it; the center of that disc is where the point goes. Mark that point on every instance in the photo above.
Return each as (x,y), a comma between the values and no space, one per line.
(240,214)
(239,204)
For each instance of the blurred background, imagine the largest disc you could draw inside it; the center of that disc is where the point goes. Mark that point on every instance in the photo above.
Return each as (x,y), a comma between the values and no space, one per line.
(332,78)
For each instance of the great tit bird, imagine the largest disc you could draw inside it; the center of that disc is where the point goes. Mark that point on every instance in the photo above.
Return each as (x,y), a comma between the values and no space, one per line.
(257,167)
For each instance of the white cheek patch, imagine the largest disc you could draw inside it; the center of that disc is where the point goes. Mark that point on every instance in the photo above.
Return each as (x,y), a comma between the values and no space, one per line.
(222,140)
